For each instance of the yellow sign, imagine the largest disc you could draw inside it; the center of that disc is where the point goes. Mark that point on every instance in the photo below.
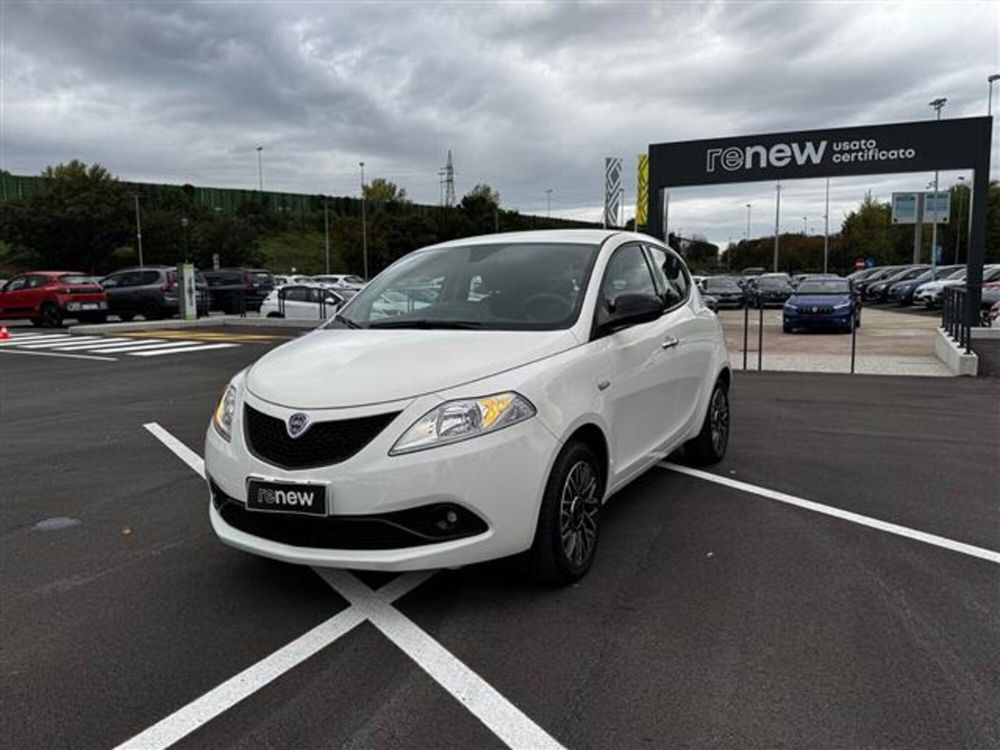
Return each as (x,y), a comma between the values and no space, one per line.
(642,194)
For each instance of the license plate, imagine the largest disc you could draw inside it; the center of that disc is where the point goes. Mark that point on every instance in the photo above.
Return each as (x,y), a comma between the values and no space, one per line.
(89,306)
(282,497)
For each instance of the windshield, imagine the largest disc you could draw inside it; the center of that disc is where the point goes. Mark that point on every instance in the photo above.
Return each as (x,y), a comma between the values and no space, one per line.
(722,284)
(519,286)
(354,280)
(824,286)
(72,278)
(772,283)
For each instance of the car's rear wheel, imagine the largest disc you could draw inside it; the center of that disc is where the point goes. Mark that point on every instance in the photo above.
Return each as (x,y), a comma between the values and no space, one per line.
(566,536)
(709,446)
(51,315)
(275,315)
(151,311)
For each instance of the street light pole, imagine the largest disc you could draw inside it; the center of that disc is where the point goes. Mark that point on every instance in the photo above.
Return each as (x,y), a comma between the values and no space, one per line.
(184,230)
(826,230)
(989,102)
(138,229)
(777,220)
(548,202)
(805,227)
(326,228)
(364,222)
(938,105)
(260,169)
(748,223)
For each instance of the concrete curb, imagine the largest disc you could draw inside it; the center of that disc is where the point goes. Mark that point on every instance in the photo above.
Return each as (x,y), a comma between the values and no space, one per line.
(173,325)
(954,358)
(984,334)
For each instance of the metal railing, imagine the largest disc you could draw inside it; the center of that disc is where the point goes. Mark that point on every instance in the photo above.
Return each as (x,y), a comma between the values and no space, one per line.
(954,319)
(322,305)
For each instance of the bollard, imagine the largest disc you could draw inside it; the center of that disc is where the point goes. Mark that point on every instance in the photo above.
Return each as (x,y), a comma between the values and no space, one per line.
(854,334)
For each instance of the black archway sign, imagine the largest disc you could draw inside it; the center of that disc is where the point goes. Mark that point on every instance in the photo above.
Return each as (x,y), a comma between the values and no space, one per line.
(838,152)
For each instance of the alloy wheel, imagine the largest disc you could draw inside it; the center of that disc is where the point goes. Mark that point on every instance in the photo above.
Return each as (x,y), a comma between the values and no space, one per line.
(719,420)
(578,510)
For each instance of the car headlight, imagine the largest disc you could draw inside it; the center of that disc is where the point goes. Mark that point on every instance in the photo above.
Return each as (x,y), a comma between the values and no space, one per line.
(222,419)
(842,306)
(458,420)
(790,307)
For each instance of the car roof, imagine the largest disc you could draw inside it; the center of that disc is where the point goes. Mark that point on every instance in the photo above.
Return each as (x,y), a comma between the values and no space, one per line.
(55,273)
(552,236)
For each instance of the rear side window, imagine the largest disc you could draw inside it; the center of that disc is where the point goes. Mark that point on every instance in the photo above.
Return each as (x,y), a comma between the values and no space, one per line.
(263,279)
(149,277)
(296,294)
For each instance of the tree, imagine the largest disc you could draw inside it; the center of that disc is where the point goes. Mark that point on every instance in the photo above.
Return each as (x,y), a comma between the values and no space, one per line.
(76,221)
(480,195)
(381,190)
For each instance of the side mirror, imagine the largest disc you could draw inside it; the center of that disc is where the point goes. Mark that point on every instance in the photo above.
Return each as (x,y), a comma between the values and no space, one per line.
(632,309)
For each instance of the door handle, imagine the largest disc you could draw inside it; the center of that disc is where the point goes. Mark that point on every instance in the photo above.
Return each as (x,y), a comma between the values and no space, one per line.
(669,342)
(603,385)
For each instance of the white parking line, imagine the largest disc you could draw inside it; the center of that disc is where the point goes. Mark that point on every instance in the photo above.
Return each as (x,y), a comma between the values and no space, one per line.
(66,346)
(104,345)
(498,714)
(185,350)
(54,354)
(846,515)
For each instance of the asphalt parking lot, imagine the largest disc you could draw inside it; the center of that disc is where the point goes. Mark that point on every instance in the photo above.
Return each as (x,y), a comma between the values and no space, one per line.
(717,614)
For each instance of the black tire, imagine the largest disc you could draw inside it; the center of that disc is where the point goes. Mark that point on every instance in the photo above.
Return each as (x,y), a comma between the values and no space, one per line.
(275,315)
(709,446)
(567,533)
(151,311)
(126,317)
(786,328)
(51,315)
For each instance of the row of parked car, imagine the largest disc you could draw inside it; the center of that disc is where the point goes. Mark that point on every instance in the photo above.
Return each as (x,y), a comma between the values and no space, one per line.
(916,284)
(46,298)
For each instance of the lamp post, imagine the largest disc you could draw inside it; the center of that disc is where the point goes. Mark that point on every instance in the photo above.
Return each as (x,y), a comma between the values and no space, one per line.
(805,228)
(938,105)
(777,220)
(748,223)
(989,102)
(260,169)
(326,229)
(548,202)
(138,229)
(364,222)
(184,231)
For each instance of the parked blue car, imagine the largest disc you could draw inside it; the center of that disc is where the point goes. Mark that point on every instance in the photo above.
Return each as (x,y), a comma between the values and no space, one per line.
(822,303)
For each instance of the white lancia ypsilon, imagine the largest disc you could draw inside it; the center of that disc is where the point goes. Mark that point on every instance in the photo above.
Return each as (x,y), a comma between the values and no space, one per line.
(478,399)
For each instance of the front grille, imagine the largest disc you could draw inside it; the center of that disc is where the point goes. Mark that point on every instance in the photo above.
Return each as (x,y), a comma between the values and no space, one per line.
(401,529)
(322,444)
(817,309)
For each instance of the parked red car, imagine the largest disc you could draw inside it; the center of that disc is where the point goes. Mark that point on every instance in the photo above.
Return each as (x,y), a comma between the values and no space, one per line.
(46,297)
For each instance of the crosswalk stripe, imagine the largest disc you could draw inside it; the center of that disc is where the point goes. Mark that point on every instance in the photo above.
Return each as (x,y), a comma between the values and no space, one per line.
(71,345)
(144,347)
(201,348)
(59,342)
(117,345)
(34,339)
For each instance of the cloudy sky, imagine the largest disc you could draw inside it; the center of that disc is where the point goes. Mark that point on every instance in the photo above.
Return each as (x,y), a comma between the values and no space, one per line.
(528,96)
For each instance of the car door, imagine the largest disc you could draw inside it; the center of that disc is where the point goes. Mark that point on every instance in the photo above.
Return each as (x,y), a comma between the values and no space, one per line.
(13,295)
(297,304)
(640,360)
(692,357)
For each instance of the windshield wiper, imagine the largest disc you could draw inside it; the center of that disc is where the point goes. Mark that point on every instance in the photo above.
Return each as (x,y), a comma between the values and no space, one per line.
(346,321)
(426,323)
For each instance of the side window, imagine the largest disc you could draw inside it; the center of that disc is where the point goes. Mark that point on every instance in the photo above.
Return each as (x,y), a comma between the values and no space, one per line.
(627,273)
(296,294)
(36,281)
(14,284)
(130,278)
(110,282)
(149,277)
(674,274)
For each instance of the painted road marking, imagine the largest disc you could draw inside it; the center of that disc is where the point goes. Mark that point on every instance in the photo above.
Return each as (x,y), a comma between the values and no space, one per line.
(200,348)
(498,714)
(210,336)
(71,345)
(117,345)
(34,339)
(54,354)
(57,342)
(846,515)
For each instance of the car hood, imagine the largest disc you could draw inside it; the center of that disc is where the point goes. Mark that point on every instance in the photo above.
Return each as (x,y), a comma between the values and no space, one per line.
(819,299)
(338,368)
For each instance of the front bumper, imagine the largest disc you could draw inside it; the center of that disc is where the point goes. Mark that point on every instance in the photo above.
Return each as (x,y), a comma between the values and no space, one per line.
(826,320)
(499,478)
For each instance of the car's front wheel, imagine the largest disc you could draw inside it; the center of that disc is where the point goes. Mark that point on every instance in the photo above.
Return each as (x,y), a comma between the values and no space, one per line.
(566,536)
(709,446)
(51,315)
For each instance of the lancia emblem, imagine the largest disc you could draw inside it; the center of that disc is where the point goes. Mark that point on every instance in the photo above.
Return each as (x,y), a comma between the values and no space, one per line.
(297,424)
(815,309)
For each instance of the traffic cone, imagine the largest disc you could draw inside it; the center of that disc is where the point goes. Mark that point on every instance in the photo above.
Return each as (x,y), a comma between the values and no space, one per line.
(4,333)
